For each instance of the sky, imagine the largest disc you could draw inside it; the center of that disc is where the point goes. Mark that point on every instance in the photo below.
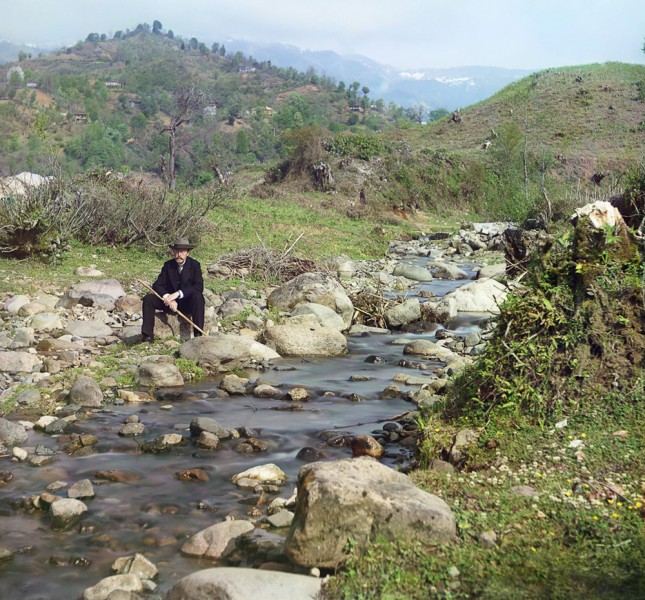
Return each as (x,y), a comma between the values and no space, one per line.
(407,34)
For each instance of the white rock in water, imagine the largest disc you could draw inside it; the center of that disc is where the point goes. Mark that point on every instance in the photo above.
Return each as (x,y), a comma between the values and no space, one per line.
(262,473)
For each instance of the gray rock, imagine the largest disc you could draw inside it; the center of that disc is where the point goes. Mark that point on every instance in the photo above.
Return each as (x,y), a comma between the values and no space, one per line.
(228,583)
(463,441)
(404,313)
(12,434)
(413,272)
(319,288)
(46,321)
(443,270)
(86,392)
(282,518)
(66,511)
(219,352)
(234,384)
(107,588)
(132,429)
(19,362)
(216,541)
(325,315)
(360,499)
(137,565)
(159,375)
(88,329)
(297,338)
(200,424)
(12,305)
(81,489)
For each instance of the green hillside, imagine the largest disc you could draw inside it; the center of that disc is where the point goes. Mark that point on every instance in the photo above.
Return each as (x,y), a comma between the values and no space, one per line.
(538,148)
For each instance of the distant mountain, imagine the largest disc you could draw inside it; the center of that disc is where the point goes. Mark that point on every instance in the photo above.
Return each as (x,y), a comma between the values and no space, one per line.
(448,88)
(9,51)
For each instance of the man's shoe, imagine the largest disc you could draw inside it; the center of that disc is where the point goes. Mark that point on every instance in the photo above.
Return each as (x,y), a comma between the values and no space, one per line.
(147,339)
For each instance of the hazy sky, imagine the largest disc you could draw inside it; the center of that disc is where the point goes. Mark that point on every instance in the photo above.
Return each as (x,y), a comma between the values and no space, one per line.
(530,34)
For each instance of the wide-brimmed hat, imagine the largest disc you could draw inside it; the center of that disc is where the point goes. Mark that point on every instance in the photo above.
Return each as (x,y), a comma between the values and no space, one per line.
(181,244)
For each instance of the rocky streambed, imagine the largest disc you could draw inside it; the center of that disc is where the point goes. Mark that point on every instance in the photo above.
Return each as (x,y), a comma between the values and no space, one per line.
(121,492)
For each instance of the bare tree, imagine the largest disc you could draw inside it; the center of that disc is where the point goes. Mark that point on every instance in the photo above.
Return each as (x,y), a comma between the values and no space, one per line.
(189,101)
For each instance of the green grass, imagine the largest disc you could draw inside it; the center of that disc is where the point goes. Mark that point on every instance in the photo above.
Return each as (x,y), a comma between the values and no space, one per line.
(581,537)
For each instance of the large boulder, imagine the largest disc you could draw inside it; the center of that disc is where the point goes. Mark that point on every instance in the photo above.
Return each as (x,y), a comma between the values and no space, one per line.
(230,583)
(304,336)
(481,296)
(319,288)
(414,272)
(101,293)
(359,499)
(221,352)
(407,312)
(19,362)
(11,433)
(325,315)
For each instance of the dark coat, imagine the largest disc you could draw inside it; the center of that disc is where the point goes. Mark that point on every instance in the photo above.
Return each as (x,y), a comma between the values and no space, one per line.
(190,282)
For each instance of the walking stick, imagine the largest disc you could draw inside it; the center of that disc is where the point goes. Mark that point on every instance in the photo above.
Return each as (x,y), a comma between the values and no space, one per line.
(181,314)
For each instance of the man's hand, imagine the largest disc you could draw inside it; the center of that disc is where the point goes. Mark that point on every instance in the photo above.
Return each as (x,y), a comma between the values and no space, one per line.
(170,300)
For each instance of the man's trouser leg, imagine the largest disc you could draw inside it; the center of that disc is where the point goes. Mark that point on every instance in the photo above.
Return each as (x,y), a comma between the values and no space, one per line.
(151,304)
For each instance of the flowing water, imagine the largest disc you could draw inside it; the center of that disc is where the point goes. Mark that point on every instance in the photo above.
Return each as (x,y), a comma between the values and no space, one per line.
(156,513)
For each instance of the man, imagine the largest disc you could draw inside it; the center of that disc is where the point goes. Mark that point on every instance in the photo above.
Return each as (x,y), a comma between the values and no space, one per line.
(181,287)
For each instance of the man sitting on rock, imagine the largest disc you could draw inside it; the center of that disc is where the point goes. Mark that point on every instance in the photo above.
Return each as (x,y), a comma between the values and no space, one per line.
(181,287)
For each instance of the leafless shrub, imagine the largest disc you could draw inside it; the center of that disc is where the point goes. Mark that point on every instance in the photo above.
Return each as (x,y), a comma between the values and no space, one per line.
(267,264)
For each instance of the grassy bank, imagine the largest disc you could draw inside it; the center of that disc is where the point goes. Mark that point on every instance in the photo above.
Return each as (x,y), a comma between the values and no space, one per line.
(309,227)
(579,536)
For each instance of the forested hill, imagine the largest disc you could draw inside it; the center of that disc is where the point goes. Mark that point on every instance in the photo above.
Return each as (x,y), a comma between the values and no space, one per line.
(107,102)
(548,142)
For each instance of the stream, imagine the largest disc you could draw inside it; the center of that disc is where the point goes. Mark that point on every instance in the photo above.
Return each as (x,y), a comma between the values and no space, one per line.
(157,512)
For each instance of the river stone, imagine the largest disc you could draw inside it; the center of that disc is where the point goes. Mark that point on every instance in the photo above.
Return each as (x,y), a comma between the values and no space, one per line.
(428,349)
(19,362)
(201,424)
(86,392)
(283,518)
(324,315)
(159,375)
(132,429)
(360,499)
(81,489)
(46,321)
(366,445)
(233,384)
(230,583)
(88,329)
(404,313)
(12,305)
(31,308)
(319,288)
(101,293)
(262,474)
(305,339)
(23,339)
(444,270)
(66,511)
(220,352)
(496,271)
(107,588)
(481,296)
(366,329)
(12,434)
(265,390)
(137,565)
(413,272)
(216,541)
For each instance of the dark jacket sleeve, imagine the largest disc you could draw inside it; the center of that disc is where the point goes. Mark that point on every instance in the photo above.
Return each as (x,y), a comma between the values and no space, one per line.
(163,284)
